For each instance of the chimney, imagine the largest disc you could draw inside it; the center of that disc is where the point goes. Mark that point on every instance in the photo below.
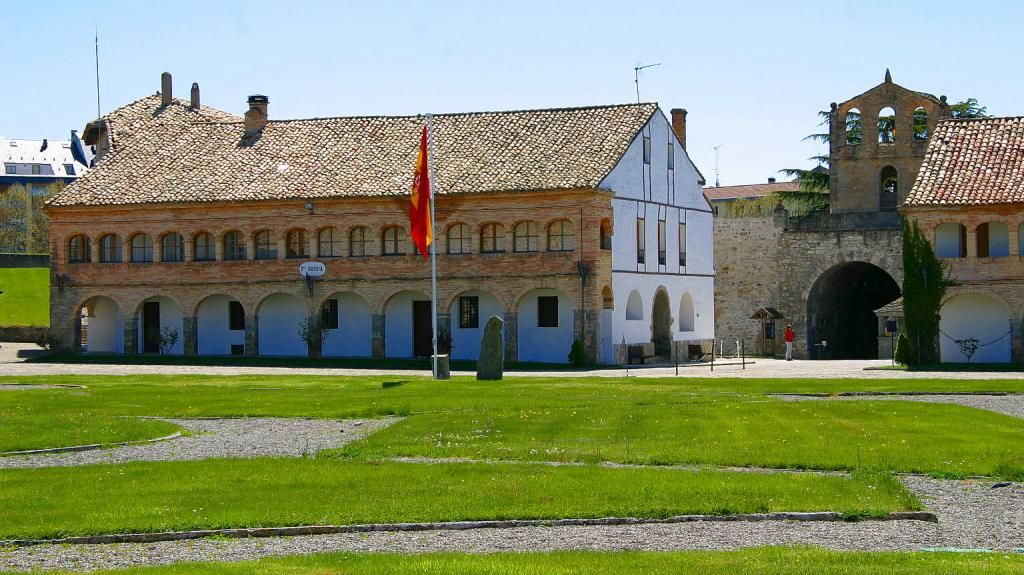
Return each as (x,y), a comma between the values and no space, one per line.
(771,180)
(256,117)
(679,125)
(165,89)
(195,95)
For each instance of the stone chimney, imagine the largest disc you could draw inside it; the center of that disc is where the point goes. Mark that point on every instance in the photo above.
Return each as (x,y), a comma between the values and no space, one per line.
(195,95)
(165,89)
(256,117)
(679,125)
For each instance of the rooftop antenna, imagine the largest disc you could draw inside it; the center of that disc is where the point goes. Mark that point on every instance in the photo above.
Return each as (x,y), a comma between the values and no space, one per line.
(636,76)
(97,37)
(716,165)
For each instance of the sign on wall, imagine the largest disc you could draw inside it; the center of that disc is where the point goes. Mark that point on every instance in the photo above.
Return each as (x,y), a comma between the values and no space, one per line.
(312,269)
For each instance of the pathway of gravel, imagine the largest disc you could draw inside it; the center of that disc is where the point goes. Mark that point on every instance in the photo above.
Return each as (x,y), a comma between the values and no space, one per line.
(1012,405)
(210,438)
(971,515)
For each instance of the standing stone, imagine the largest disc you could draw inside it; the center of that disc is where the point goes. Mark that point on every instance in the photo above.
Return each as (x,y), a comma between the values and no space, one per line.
(492,351)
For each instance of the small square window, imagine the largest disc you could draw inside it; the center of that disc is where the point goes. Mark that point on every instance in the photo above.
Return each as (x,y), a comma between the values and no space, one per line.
(69,169)
(237,349)
(647,150)
(36,169)
(547,311)
(236,317)
(329,315)
(469,312)
(10,169)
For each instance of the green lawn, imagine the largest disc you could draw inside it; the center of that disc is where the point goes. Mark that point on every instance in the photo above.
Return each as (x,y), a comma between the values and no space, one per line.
(892,435)
(19,432)
(26,297)
(764,561)
(160,496)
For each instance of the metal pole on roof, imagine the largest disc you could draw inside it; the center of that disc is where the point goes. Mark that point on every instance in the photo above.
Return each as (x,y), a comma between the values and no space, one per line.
(433,240)
(97,37)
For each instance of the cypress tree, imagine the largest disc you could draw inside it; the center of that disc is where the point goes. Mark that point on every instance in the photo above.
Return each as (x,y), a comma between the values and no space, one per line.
(924,286)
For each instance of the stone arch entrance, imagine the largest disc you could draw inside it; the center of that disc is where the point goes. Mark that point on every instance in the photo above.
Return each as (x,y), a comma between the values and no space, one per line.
(840,310)
(661,324)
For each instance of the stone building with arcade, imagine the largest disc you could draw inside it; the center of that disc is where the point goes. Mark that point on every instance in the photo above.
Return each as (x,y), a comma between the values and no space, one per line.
(578,223)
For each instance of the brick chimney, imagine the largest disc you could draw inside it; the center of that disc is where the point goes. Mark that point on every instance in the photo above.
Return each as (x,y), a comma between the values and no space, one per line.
(256,117)
(679,125)
(195,95)
(165,89)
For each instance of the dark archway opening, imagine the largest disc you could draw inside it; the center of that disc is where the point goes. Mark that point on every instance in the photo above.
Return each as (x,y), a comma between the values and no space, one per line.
(840,310)
(661,325)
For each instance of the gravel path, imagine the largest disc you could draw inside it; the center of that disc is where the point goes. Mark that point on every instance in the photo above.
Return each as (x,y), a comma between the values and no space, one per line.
(210,438)
(971,515)
(1012,405)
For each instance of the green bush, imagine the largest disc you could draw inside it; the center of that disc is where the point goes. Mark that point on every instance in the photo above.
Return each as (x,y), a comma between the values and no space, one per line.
(578,355)
(904,354)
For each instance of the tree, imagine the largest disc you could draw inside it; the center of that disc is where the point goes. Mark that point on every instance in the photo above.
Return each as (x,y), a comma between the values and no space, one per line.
(925,283)
(23,227)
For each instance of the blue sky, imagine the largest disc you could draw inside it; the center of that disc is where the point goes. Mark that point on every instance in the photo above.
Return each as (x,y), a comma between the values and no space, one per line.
(752,74)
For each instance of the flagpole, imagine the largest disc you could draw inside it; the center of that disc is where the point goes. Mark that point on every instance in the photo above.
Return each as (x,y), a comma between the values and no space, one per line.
(433,239)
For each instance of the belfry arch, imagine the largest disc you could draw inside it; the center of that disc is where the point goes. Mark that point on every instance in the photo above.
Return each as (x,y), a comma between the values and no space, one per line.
(840,310)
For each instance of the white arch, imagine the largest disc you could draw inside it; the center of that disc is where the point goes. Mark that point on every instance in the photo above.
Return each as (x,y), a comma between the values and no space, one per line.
(977,316)
(170,320)
(353,336)
(398,324)
(545,343)
(634,306)
(949,238)
(280,317)
(686,313)
(103,326)
(466,340)
(214,335)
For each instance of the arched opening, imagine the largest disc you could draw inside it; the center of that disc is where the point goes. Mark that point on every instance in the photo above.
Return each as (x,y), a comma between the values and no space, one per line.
(393,241)
(469,313)
(265,244)
(852,125)
(920,124)
(686,313)
(359,242)
(160,326)
(888,189)
(951,240)
(492,239)
(172,247)
(992,240)
(78,249)
(280,317)
(220,326)
(661,324)
(101,327)
(110,249)
(886,125)
(408,326)
(561,237)
(459,239)
(840,311)
(295,244)
(142,248)
(348,323)
(234,246)
(607,298)
(634,306)
(328,243)
(203,249)
(525,237)
(974,328)
(606,234)
(545,326)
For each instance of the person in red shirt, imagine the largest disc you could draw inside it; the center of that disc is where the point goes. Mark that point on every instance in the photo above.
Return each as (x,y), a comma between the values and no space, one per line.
(789,336)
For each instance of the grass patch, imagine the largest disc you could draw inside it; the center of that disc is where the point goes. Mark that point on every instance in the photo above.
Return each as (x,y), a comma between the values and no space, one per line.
(19,432)
(159,496)
(26,297)
(765,560)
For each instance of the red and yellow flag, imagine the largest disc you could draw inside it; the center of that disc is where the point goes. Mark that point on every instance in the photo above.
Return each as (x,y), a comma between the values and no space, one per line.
(419,208)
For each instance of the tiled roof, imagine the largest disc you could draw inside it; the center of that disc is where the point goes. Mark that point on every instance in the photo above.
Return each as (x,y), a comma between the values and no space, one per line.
(176,154)
(749,190)
(972,162)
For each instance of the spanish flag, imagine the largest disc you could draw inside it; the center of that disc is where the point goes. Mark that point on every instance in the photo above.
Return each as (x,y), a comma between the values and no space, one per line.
(419,208)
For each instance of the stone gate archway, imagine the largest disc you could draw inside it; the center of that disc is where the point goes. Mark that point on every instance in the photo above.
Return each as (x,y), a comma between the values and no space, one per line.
(840,310)
(661,324)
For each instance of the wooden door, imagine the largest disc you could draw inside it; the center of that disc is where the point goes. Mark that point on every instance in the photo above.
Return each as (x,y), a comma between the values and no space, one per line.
(422,333)
(151,327)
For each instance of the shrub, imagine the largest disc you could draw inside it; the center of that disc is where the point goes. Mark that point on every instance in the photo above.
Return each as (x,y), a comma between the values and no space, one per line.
(904,354)
(578,354)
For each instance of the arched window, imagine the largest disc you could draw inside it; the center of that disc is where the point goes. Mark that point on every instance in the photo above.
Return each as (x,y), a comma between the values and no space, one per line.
(634,306)
(358,244)
(78,249)
(110,249)
(852,124)
(889,195)
(234,246)
(561,237)
(606,233)
(328,243)
(295,242)
(203,249)
(266,247)
(920,123)
(525,238)
(393,241)
(492,239)
(951,240)
(607,298)
(172,248)
(993,240)
(459,239)
(142,248)
(886,125)
(686,314)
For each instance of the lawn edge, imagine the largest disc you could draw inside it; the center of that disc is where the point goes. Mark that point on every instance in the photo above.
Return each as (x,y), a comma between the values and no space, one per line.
(257,532)
(90,447)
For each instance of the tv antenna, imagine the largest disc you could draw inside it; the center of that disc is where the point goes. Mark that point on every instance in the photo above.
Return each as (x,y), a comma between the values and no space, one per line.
(96,29)
(636,76)
(716,165)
